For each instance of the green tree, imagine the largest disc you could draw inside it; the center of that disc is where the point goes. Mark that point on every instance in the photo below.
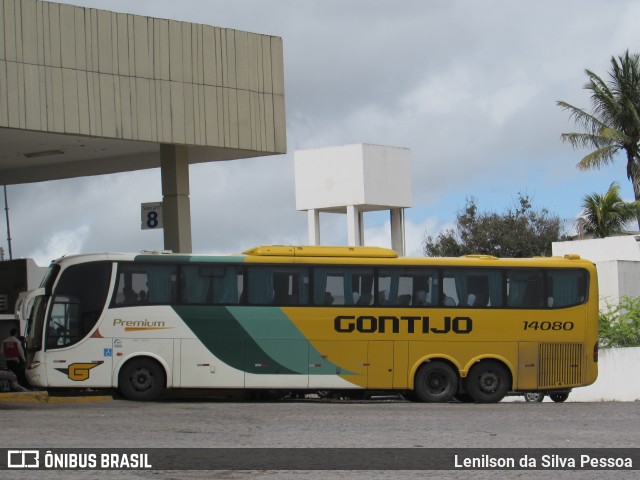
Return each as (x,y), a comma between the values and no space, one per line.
(519,232)
(620,324)
(606,215)
(613,125)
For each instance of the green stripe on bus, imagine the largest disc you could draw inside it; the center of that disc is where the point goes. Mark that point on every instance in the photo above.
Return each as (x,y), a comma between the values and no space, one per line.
(281,339)
(226,338)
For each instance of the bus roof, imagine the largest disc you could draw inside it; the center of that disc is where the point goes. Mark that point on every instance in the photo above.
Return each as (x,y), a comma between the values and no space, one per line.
(321,251)
(325,254)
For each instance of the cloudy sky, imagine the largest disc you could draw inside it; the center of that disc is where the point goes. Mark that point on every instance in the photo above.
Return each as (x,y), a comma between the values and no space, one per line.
(469,86)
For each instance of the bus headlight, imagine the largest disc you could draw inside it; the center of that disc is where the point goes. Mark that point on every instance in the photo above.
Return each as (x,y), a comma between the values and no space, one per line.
(33,365)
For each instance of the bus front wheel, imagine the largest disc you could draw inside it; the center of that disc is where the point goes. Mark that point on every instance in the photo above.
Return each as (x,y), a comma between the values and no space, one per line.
(488,381)
(141,379)
(436,382)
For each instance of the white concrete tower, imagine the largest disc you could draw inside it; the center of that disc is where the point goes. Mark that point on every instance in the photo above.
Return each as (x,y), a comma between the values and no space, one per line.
(354,179)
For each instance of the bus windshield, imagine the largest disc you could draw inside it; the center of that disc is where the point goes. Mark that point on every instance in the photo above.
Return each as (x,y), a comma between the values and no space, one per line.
(78,300)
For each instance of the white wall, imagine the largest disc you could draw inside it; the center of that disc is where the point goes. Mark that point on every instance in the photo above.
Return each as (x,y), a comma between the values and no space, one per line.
(601,249)
(617,260)
(617,378)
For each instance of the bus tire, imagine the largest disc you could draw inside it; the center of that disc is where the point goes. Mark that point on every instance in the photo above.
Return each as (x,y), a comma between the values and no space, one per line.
(488,381)
(436,382)
(559,397)
(534,397)
(141,379)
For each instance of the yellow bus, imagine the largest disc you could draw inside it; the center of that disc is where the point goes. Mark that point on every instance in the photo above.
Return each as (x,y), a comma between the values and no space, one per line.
(316,318)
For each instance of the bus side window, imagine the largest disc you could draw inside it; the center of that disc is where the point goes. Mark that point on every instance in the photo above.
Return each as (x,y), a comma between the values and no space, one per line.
(566,288)
(138,284)
(291,286)
(345,285)
(412,286)
(473,287)
(525,288)
(212,284)
(278,285)
(450,287)
(328,286)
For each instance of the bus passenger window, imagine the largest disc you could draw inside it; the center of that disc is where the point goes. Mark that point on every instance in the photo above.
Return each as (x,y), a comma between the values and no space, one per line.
(473,287)
(450,287)
(212,284)
(408,286)
(346,286)
(362,286)
(138,284)
(566,288)
(290,286)
(278,285)
(525,288)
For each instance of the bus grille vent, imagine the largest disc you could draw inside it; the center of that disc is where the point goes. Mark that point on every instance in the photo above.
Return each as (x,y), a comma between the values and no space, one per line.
(560,364)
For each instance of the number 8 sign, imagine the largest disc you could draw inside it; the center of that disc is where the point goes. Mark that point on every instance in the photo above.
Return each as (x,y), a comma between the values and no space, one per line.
(151,216)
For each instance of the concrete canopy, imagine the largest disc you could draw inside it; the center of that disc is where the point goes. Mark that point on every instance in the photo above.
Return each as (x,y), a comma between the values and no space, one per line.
(88,92)
(33,156)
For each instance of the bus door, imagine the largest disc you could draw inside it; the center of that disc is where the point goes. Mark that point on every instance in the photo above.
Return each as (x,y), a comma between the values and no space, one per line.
(380,365)
(527,366)
(73,356)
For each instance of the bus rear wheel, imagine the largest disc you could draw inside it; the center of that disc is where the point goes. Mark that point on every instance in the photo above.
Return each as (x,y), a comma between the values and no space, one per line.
(488,381)
(436,382)
(559,397)
(141,379)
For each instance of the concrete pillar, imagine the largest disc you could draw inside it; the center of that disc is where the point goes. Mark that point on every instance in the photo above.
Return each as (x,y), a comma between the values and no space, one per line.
(397,231)
(355,227)
(313,218)
(176,208)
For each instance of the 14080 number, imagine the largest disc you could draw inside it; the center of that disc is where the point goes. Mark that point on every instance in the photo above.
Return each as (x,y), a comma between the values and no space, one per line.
(556,326)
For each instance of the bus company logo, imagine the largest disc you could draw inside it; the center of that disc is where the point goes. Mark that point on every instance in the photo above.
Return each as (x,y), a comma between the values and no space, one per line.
(139,325)
(23,459)
(405,324)
(79,372)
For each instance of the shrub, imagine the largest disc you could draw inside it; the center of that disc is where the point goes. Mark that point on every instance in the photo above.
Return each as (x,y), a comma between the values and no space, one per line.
(620,324)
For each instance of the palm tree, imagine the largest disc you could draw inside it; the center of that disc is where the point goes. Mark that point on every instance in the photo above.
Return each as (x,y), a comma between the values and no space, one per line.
(606,215)
(614,122)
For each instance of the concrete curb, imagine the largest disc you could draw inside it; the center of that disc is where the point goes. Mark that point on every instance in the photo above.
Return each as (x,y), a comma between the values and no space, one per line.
(44,397)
